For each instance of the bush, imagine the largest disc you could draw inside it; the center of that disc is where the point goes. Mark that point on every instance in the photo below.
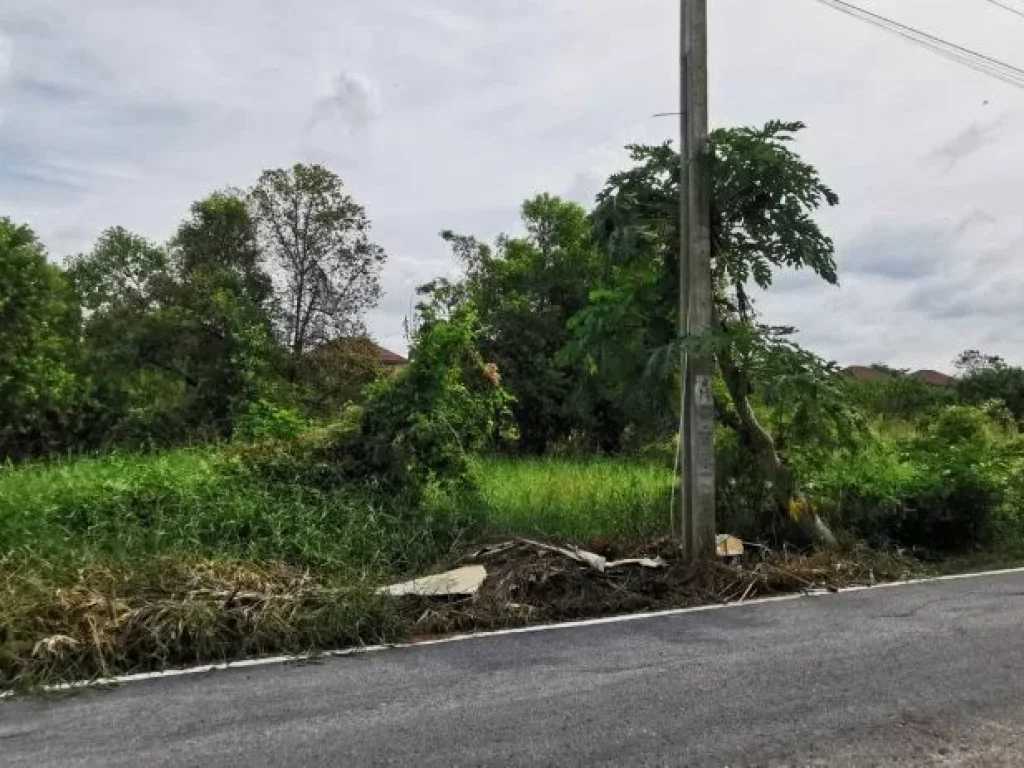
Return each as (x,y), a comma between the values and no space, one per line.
(264,420)
(939,490)
(898,395)
(420,427)
(744,504)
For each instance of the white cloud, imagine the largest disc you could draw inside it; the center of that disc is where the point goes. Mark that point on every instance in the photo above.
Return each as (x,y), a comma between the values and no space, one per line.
(449,114)
(6,68)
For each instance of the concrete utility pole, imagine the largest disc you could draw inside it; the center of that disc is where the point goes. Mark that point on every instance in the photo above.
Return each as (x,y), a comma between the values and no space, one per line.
(698,438)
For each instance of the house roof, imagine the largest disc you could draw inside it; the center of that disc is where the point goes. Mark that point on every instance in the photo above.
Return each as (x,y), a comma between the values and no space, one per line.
(935,378)
(387,357)
(865,373)
(384,356)
(871,373)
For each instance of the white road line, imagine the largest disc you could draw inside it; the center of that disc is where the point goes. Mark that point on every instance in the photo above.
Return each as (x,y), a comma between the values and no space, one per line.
(271,660)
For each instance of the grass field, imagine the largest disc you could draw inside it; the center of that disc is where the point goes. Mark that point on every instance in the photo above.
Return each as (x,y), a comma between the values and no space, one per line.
(193,503)
(61,515)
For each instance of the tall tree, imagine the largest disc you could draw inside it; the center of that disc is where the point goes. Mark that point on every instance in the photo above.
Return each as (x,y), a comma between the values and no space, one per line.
(221,307)
(177,339)
(327,267)
(38,333)
(220,234)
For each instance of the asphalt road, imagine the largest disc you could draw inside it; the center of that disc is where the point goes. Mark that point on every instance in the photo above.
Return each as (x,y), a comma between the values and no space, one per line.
(927,674)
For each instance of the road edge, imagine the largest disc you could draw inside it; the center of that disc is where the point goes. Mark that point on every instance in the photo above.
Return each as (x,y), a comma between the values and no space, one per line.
(484,634)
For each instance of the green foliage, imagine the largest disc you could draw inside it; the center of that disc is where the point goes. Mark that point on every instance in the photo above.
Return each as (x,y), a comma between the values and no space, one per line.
(177,342)
(420,427)
(524,291)
(806,406)
(219,237)
(39,318)
(763,200)
(942,489)
(897,396)
(58,517)
(316,235)
(123,271)
(763,203)
(264,420)
(335,374)
(577,499)
(744,504)
(989,377)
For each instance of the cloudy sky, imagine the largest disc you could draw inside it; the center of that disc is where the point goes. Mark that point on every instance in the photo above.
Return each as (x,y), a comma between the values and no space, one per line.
(448,113)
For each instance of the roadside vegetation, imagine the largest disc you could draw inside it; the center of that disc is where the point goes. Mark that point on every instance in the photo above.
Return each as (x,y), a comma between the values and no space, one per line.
(204,459)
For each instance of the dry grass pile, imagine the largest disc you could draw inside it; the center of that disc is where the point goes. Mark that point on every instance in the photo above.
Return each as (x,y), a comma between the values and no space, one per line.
(172,613)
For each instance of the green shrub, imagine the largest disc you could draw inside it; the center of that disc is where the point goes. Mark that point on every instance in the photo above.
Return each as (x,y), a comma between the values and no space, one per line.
(744,503)
(420,427)
(263,420)
(941,489)
(897,395)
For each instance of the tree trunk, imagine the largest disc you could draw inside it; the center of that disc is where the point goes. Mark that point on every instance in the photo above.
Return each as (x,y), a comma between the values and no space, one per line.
(789,503)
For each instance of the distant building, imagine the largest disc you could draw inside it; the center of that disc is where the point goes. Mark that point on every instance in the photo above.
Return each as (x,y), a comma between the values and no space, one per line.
(348,347)
(879,373)
(935,378)
(866,373)
(389,359)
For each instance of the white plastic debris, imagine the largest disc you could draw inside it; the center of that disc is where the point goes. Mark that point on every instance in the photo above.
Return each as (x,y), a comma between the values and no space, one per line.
(462,582)
(728,546)
(643,562)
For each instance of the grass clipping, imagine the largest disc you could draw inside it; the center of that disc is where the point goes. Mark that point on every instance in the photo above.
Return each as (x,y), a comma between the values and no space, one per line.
(174,613)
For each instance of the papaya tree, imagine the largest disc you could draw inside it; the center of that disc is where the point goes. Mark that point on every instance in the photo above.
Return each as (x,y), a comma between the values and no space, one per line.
(763,201)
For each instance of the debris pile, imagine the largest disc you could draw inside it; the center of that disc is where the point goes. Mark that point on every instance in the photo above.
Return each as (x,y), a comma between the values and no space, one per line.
(524,581)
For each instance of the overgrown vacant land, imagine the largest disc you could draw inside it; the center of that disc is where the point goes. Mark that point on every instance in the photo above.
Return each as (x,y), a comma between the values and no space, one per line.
(248,475)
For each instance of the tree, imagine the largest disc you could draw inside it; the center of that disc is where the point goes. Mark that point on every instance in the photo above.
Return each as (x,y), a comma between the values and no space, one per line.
(220,308)
(123,270)
(220,234)
(318,238)
(134,388)
(336,374)
(988,377)
(177,339)
(971,361)
(524,291)
(763,200)
(38,332)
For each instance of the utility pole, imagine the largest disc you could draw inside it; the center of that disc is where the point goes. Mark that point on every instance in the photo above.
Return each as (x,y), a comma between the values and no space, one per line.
(695,313)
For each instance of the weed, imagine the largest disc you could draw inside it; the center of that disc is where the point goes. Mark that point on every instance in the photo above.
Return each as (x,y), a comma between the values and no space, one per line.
(576,499)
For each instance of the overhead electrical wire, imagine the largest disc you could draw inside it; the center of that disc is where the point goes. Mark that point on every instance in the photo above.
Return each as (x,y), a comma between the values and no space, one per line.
(1006,7)
(979,62)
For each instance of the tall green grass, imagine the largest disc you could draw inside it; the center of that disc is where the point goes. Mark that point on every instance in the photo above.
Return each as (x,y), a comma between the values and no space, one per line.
(576,499)
(199,503)
(206,503)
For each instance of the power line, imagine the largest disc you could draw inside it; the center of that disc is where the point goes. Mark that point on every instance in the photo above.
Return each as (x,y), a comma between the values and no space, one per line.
(973,59)
(979,62)
(1006,7)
